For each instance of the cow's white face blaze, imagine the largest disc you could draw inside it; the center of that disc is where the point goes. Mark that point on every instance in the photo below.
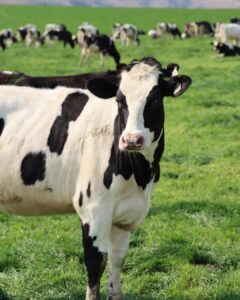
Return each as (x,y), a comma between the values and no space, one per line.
(135,87)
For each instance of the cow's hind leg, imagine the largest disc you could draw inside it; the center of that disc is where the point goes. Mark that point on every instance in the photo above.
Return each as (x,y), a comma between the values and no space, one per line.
(117,250)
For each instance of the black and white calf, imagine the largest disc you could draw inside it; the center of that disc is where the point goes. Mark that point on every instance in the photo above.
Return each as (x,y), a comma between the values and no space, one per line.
(49,162)
(226,50)
(101,44)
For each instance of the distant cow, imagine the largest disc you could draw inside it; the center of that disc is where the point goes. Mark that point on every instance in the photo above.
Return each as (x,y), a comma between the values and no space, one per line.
(102,44)
(226,50)
(33,38)
(64,36)
(6,38)
(227,32)
(75,81)
(169,29)
(197,28)
(93,152)
(125,33)
(23,30)
(58,32)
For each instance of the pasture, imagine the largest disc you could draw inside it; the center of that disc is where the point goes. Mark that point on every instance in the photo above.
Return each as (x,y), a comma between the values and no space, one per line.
(189,245)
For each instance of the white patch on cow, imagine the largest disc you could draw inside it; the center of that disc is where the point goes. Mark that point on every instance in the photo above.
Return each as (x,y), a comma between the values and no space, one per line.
(8,72)
(175,72)
(178,89)
(136,85)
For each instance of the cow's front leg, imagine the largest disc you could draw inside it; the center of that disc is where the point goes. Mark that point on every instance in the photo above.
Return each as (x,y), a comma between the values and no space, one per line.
(95,261)
(117,250)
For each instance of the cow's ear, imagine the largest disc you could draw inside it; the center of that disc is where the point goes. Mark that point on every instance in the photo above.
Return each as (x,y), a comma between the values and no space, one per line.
(177,85)
(102,88)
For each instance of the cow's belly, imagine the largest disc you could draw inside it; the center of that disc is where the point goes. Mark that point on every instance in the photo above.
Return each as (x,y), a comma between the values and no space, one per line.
(35,204)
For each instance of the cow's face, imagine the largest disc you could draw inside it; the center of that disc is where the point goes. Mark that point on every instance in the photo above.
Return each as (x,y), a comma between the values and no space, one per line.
(140,118)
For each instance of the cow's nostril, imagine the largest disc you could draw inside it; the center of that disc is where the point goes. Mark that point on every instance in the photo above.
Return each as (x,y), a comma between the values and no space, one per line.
(139,141)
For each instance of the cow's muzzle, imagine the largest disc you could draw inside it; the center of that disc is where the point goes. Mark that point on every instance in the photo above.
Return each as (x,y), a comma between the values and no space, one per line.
(132,142)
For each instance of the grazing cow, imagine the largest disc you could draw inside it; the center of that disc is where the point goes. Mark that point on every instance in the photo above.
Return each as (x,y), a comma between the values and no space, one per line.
(226,50)
(33,38)
(197,28)
(50,165)
(126,33)
(23,30)
(167,28)
(58,32)
(6,38)
(227,32)
(102,44)
(64,36)
(76,81)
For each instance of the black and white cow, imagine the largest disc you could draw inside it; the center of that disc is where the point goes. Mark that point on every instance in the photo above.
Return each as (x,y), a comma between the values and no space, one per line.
(126,33)
(49,162)
(226,50)
(51,82)
(64,36)
(23,30)
(6,38)
(101,44)
(167,28)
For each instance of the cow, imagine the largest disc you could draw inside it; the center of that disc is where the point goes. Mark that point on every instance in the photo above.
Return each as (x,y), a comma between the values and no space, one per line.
(226,50)
(23,30)
(226,32)
(51,82)
(102,44)
(168,28)
(64,36)
(33,38)
(58,32)
(49,162)
(197,28)
(6,38)
(126,33)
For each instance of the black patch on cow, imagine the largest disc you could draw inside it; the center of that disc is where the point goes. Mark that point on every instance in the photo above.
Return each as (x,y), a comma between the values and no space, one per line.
(33,168)
(94,260)
(1,125)
(72,107)
(153,113)
(89,190)
(81,199)
(102,88)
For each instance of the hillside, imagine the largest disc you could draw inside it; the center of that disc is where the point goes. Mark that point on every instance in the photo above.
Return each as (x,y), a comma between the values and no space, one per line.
(132,3)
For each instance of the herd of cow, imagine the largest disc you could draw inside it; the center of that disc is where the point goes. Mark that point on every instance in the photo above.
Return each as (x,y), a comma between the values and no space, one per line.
(91,40)
(90,143)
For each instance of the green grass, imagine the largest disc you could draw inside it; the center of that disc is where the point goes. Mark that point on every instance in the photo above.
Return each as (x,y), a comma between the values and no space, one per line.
(189,245)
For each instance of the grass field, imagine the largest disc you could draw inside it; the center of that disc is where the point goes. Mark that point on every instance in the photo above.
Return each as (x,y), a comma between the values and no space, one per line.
(189,245)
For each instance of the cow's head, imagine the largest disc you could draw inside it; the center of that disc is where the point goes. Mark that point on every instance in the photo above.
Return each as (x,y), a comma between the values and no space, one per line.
(139,97)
